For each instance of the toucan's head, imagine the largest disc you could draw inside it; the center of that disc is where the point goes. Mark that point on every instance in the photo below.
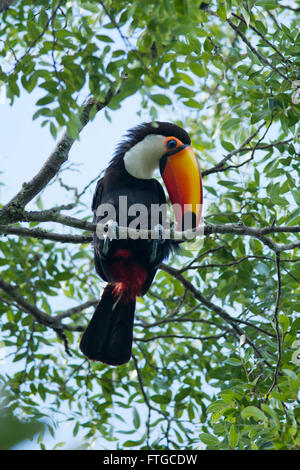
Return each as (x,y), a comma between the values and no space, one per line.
(165,146)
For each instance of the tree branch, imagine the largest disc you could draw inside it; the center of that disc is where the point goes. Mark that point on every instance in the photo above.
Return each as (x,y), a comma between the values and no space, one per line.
(43,318)
(189,235)
(44,235)
(163,336)
(74,310)
(258,233)
(268,146)
(54,216)
(37,314)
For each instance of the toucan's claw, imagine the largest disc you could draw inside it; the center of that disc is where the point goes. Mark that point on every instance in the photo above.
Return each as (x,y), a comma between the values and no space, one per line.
(106,245)
(110,234)
(157,241)
(153,255)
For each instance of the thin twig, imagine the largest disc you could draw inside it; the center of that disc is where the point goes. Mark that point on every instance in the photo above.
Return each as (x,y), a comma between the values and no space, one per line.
(221,165)
(286,61)
(164,336)
(262,58)
(78,309)
(141,384)
(34,42)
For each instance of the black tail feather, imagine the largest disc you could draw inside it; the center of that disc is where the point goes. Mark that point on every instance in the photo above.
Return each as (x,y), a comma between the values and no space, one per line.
(108,336)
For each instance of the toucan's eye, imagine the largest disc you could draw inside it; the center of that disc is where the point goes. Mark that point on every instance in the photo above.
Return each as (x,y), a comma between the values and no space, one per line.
(172,144)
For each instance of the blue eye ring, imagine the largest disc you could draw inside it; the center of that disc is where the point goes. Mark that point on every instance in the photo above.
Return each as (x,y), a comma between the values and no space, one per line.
(172,144)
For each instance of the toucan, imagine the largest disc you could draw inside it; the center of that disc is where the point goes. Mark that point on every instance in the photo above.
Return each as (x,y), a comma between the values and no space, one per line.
(129,265)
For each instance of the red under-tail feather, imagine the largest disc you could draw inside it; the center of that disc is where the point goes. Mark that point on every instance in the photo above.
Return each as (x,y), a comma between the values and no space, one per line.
(129,276)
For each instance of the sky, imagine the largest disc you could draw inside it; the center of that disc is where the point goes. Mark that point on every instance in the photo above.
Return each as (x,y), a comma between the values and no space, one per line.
(25,145)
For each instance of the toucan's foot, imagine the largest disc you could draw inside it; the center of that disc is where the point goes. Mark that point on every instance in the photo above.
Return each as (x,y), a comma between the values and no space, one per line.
(157,241)
(109,235)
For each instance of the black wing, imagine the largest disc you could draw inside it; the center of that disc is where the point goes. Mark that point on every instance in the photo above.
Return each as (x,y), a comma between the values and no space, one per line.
(96,201)
(100,264)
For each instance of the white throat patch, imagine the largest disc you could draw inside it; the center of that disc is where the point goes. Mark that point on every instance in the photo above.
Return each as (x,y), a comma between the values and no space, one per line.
(143,158)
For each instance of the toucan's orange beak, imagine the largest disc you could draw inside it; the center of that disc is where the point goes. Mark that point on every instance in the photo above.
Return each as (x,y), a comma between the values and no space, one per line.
(181,174)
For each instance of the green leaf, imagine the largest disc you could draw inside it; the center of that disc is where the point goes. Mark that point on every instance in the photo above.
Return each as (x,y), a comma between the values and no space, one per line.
(227,145)
(131,443)
(186,78)
(216,406)
(43,18)
(53,130)
(39,203)
(104,38)
(233,436)
(197,69)
(160,99)
(230,123)
(245,14)
(64,276)
(221,11)
(193,104)
(76,429)
(253,412)
(209,440)
(74,125)
(268,4)
(296,196)
(185,92)
(13,88)
(233,361)
(284,322)
(136,419)
(161,399)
